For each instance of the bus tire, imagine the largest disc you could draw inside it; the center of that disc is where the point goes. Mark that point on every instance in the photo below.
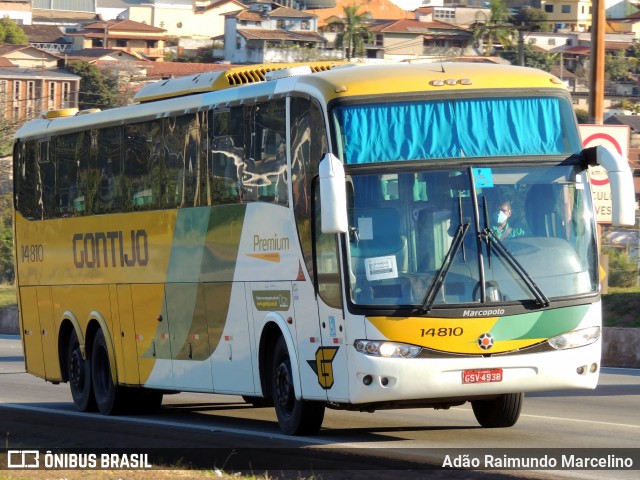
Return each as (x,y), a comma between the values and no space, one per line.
(500,412)
(110,398)
(79,376)
(295,417)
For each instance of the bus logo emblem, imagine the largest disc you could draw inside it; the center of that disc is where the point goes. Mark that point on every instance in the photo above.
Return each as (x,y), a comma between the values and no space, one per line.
(485,341)
(323,366)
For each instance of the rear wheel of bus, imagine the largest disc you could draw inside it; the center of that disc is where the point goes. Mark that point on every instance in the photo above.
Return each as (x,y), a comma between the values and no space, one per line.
(79,376)
(109,397)
(295,417)
(114,399)
(499,412)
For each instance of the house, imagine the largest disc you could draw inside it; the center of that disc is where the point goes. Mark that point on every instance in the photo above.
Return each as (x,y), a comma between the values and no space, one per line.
(111,9)
(26,56)
(17,10)
(49,38)
(95,55)
(402,39)
(70,20)
(132,37)
(568,15)
(25,93)
(331,20)
(268,33)
(201,19)
(629,24)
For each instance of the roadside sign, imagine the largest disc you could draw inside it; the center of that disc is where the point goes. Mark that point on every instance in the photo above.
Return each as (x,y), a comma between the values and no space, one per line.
(616,137)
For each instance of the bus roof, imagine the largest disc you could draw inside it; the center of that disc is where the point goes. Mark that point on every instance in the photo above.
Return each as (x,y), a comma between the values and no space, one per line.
(363,80)
(431,77)
(328,81)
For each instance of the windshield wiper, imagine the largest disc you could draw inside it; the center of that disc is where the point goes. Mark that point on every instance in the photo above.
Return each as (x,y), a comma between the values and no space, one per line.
(441,274)
(490,237)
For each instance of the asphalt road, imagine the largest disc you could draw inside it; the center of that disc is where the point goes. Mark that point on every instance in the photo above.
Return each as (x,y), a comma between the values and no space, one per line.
(209,431)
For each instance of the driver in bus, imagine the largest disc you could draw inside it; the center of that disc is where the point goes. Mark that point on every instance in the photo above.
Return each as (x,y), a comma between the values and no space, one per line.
(502,227)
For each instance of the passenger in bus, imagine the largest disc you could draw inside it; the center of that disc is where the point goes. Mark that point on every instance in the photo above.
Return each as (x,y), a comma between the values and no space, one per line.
(502,226)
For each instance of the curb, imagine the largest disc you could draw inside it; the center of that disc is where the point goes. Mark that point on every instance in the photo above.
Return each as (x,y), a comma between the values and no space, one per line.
(620,346)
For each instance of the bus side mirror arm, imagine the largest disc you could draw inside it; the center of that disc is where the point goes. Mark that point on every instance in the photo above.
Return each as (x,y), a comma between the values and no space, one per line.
(333,195)
(623,197)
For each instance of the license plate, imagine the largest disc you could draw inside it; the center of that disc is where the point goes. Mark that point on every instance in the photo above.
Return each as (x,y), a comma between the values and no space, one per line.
(487,375)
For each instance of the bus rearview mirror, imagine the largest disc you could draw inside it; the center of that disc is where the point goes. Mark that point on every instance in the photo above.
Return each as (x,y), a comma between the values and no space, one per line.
(333,195)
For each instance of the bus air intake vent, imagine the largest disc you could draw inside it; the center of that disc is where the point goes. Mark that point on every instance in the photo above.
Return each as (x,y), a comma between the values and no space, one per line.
(221,80)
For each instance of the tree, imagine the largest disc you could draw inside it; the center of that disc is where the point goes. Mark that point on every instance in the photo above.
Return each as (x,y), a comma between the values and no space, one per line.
(7,130)
(94,90)
(496,30)
(11,33)
(355,32)
(533,20)
(617,66)
(6,239)
(532,57)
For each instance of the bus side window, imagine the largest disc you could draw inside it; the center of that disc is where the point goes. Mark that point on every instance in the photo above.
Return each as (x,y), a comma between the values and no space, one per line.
(270,145)
(136,182)
(25,194)
(328,276)
(225,159)
(67,174)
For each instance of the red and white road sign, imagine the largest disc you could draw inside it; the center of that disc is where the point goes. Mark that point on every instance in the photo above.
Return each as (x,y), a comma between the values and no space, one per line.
(615,137)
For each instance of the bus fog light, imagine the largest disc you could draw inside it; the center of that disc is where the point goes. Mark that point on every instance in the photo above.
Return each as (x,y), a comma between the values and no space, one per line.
(581,370)
(575,338)
(367,380)
(593,368)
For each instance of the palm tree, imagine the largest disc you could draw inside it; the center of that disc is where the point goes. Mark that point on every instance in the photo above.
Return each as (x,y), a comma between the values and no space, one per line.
(497,29)
(355,32)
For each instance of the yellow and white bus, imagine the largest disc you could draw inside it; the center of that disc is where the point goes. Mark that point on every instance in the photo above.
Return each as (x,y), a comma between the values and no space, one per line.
(351,237)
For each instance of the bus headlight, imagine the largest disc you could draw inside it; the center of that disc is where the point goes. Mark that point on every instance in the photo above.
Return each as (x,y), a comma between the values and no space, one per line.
(575,338)
(377,348)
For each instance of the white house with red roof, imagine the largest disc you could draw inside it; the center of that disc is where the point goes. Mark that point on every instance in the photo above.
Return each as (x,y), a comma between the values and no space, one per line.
(270,33)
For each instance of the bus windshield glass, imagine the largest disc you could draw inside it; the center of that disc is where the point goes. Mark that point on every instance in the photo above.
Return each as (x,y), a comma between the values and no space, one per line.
(470,235)
(443,129)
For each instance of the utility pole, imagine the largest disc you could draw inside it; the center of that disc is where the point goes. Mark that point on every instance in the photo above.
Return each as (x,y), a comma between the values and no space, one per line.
(596,75)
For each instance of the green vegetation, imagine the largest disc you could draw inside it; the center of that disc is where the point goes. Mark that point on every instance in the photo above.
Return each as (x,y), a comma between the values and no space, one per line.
(6,240)
(7,296)
(11,33)
(95,91)
(620,307)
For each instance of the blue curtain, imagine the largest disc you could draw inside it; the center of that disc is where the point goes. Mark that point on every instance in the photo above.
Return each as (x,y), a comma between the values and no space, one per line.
(452,129)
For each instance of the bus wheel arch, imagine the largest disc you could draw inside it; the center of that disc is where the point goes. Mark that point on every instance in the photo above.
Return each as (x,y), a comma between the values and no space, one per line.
(274,328)
(295,415)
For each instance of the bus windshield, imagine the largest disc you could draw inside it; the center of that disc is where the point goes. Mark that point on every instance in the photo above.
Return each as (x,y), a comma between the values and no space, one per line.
(450,129)
(470,235)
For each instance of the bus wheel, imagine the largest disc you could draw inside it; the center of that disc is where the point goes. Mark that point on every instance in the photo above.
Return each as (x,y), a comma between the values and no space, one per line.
(109,397)
(79,375)
(295,417)
(502,411)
